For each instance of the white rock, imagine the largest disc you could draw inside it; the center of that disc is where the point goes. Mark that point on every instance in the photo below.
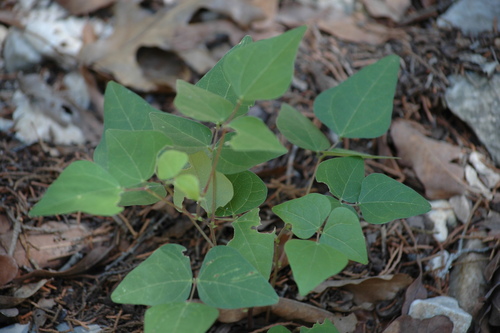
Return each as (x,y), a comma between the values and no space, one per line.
(471,16)
(442,305)
(439,261)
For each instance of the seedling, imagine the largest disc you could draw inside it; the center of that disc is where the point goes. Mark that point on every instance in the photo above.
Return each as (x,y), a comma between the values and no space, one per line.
(210,165)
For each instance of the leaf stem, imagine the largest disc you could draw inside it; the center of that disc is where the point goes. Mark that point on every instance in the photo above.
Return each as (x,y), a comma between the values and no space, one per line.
(320,159)
(276,262)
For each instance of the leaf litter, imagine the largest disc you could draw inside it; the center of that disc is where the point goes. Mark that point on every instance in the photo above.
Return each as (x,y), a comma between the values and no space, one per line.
(332,52)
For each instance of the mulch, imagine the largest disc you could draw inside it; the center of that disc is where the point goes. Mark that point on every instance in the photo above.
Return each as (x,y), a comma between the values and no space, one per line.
(429,55)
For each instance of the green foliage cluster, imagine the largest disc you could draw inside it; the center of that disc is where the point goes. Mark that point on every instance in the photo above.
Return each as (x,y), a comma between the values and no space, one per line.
(210,165)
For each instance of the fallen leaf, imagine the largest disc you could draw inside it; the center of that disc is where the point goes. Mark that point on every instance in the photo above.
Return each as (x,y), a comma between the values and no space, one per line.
(359,29)
(393,9)
(48,245)
(416,290)
(8,269)
(433,161)
(372,289)
(144,52)
(406,324)
(95,255)
(21,294)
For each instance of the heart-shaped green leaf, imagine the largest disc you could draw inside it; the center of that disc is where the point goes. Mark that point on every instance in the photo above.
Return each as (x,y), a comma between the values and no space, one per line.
(228,281)
(361,106)
(187,135)
(216,82)
(256,247)
(83,186)
(263,69)
(343,176)
(170,163)
(178,317)
(201,104)
(384,199)
(186,185)
(201,167)
(132,154)
(253,135)
(164,277)
(299,130)
(343,232)
(125,110)
(249,192)
(232,161)
(312,263)
(305,214)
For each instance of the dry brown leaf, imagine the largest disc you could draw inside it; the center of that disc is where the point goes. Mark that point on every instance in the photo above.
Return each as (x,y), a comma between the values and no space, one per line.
(372,289)
(8,269)
(96,255)
(292,310)
(393,9)
(358,29)
(433,161)
(144,52)
(79,7)
(21,294)
(416,290)
(406,324)
(47,246)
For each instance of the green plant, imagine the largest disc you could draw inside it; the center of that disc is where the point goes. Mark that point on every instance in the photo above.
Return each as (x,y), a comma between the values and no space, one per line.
(209,165)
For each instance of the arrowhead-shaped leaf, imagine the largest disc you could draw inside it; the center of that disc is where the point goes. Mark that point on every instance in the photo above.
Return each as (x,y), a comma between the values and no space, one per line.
(201,104)
(263,69)
(170,163)
(299,130)
(361,106)
(83,186)
(253,135)
(216,82)
(312,263)
(256,247)
(125,110)
(201,166)
(249,192)
(228,281)
(343,176)
(343,232)
(132,154)
(232,161)
(305,214)
(384,199)
(178,317)
(164,277)
(186,135)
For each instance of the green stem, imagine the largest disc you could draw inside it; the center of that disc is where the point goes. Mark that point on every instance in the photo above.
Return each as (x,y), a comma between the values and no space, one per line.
(320,159)
(276,262)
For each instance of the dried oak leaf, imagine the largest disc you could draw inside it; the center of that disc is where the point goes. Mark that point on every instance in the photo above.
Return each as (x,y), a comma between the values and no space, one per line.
(433,161)
(143,52)
(393,9)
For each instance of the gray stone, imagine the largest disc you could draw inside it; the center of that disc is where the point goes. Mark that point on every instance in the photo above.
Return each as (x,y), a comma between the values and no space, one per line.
(476,100)
(472,16)
(442,305)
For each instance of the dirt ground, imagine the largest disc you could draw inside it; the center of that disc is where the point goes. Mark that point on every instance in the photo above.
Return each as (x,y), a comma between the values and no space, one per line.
(400,251)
